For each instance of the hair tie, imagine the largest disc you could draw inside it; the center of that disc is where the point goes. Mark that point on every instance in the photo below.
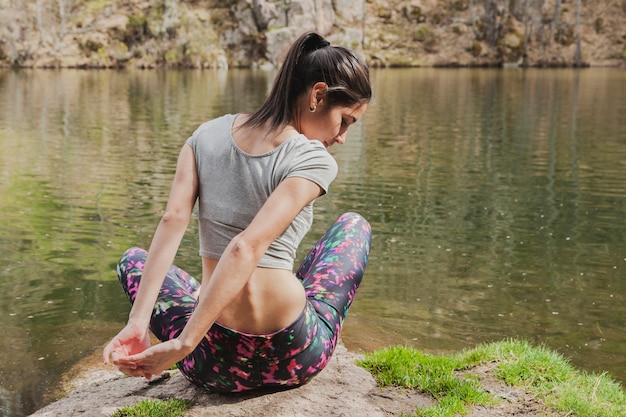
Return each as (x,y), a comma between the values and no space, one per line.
(323,44)
(311,43)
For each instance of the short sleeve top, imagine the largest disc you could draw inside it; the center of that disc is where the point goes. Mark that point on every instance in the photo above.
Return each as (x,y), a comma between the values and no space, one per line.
(234,185)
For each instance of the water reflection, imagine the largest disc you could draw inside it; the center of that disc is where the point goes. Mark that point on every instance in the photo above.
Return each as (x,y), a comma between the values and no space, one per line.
(498,209)
(497,200)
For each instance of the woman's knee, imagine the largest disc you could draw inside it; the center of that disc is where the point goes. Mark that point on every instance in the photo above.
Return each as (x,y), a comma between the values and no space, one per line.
(133,255)
(355,224)
(353,231)
(352,216)
(131,263)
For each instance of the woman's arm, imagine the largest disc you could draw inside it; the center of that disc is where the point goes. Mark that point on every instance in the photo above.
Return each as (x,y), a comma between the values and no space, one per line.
(167,237)
(244,252)
(234,269)
(134,338)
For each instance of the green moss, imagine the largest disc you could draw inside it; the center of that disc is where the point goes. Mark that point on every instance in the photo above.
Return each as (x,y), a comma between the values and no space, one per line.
(565,35)
(459,5)
(174,56)
(476,49)
(90,46)
(598,25)
(92,7)
(384,12)
(136,29)
(426,37)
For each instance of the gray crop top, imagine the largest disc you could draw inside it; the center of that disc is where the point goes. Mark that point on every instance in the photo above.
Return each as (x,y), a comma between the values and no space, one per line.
(234,185)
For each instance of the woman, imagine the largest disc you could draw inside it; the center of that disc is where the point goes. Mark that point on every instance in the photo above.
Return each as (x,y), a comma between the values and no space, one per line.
(253,323)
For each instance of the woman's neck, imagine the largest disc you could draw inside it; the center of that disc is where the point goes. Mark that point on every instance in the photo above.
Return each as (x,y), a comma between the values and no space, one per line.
(258,140)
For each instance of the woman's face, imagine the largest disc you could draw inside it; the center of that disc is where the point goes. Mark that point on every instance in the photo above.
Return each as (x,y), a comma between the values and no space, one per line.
(330,126)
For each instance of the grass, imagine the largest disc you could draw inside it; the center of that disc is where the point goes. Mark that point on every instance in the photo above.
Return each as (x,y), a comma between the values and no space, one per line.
(406,367)
(537,369)
(154,408)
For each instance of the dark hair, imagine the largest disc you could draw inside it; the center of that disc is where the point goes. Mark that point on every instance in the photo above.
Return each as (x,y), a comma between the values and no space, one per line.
(309,60)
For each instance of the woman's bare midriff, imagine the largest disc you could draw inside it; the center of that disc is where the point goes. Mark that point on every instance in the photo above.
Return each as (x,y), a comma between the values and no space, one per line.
(271,300)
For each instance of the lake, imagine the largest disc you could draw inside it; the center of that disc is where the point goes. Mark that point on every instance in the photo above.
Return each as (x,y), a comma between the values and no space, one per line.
(497,200)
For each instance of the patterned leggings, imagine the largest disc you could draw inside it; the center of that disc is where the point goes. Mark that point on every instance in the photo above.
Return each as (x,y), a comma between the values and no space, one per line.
(230,361)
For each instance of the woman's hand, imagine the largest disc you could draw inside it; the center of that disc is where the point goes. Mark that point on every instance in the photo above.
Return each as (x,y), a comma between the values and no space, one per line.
(130,340)
(152,361)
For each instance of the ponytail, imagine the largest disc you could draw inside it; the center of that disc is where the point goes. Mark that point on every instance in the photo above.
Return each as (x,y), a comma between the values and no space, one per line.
(312,59)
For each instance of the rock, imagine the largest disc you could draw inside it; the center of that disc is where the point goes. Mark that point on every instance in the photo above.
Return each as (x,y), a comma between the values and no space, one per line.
(351,12)
(264,13)
(301,15)
(277,42)
(341,389)
(253,33)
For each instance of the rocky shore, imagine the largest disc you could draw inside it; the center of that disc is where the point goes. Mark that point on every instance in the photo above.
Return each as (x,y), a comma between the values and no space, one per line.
(254,33)
(342,389)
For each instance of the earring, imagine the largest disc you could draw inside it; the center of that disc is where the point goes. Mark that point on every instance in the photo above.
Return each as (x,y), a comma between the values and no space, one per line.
(312,109)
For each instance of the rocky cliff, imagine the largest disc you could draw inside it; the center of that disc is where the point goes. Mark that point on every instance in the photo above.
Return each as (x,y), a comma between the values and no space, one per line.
(252,33)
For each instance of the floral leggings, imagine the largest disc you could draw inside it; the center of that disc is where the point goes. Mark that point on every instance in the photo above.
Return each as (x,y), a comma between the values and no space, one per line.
(230,361)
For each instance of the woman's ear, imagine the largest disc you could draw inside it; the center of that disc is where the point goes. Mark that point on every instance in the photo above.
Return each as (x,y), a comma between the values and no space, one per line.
(318,93)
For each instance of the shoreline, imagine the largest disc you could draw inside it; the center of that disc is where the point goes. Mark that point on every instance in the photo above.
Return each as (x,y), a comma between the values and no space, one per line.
(616,64)
(342,389)
(92,389)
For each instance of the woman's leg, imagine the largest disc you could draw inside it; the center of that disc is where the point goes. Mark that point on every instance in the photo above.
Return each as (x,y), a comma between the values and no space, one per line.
(228,361)
(209,365)
(176,299)
(332,271)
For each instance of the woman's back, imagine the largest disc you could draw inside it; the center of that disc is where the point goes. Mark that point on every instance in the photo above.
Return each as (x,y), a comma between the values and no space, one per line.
(271,300)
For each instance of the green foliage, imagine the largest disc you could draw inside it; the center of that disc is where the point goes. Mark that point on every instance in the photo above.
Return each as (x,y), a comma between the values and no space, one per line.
(174,56)
(426,37)
(598,25)
(90,46)
(154,408)
(539,370)
(459,5)
(91,8)
(136,29)
(423,34)
(565,35)
(384,13)
(476,49)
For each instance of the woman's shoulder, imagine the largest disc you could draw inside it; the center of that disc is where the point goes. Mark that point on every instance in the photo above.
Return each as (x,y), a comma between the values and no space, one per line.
(301,143)
(224,123)
(308,155)
(211,133)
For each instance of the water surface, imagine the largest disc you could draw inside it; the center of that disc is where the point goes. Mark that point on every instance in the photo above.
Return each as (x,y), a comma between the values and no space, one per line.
(497,200)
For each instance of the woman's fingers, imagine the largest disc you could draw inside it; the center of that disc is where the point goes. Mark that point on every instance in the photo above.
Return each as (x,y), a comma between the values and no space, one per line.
(106,354)
(131,371)
(110,352)
(134,370)
(128,365)
(124,363)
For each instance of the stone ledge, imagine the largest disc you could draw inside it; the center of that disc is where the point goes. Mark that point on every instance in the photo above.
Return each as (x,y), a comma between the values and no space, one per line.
(342,389)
